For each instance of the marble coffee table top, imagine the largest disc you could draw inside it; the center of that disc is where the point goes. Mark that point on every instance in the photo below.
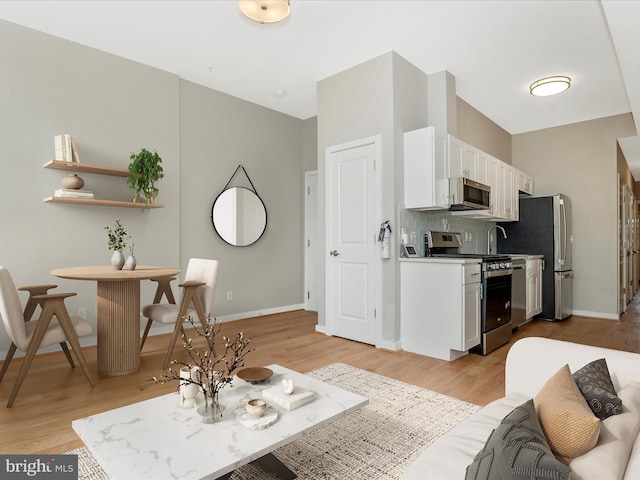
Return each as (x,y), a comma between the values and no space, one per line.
(158,439)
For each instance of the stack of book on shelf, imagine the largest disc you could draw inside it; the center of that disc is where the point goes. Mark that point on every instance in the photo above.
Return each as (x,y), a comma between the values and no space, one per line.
(71,193)
(65,148)
(297,398)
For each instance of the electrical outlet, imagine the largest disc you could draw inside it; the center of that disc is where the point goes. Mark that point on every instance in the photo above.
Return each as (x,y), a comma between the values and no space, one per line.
(229,295)
(82,313)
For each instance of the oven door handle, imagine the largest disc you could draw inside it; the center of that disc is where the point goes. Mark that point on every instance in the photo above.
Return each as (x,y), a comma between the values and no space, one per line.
(498,273)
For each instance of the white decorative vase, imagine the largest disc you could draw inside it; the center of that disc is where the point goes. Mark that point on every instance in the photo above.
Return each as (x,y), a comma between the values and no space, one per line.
(188,391)
(117,260)
(131,263)
(72,182)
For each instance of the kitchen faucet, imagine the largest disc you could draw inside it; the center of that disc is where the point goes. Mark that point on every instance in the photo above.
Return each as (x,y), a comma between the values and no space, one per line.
(489,236)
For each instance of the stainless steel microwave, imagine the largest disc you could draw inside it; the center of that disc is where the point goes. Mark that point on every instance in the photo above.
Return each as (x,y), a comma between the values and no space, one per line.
(466,194)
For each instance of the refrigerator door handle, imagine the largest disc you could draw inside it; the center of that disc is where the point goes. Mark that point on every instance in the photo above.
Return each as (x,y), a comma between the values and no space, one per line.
(563,234)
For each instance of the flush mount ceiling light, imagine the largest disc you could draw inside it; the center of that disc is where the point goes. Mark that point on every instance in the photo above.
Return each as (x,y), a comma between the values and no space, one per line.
(265,11)
(550,86)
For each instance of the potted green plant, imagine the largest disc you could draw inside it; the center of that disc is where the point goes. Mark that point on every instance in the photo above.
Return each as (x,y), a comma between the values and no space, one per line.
(117,241)
(145,170)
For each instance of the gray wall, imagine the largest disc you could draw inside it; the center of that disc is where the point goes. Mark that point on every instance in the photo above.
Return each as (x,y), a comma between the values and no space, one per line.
(580,160)
(477,130)
(112,107)
(310,144)
(219,132)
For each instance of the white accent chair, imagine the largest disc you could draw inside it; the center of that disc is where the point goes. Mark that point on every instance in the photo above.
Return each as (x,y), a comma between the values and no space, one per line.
(199,289)
(30,335)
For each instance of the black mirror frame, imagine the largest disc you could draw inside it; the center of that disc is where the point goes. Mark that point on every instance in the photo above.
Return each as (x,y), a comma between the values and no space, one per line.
(266,217)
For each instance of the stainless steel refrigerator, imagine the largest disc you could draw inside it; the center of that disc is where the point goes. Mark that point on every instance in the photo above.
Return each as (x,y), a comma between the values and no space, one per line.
(544,228)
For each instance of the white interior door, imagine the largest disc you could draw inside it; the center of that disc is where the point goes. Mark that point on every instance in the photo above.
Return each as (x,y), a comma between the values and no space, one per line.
(311,241)
(351,228)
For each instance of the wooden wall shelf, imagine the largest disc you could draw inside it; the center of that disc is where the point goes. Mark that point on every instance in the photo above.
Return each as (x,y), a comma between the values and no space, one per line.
(87,168)
(103,203)
(99,170)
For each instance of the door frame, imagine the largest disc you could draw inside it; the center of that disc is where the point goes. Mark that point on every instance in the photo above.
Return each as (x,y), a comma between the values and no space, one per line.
(376,260)
(623,295)
(311,266)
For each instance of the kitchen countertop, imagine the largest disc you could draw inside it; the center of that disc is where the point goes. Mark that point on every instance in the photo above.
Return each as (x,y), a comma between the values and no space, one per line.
(458,261)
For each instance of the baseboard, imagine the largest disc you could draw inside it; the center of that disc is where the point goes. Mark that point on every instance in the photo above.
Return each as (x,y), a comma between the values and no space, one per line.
(384,345)
(607,316)
(234,316)
(393,346)
(259,313)
(161,329)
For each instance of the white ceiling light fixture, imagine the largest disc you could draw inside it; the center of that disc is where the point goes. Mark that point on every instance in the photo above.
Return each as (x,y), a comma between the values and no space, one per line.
(265,11)
(550,86)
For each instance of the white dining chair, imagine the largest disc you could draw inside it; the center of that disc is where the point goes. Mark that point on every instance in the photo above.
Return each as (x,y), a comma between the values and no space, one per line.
(198,291)
(54,325)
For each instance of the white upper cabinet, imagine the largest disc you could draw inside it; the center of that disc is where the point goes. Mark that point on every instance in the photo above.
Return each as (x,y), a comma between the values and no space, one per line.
(456,157)
(432,157)
(525,183)
(426,170)
(506,199)
(482,165)
(463,159)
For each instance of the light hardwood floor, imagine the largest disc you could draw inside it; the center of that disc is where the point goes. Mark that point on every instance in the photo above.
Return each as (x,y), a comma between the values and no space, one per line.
(54,394)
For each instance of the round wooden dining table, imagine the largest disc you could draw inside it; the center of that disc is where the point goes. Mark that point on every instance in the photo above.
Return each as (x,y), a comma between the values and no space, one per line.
(118,342)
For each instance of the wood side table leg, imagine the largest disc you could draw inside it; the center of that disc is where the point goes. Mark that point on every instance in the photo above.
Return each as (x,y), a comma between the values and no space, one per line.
(118,327)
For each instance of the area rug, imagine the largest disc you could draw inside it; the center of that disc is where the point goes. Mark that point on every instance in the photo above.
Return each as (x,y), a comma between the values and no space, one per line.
(378,441)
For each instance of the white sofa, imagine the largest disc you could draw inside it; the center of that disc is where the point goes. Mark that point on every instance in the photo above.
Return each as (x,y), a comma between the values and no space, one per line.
(530,363)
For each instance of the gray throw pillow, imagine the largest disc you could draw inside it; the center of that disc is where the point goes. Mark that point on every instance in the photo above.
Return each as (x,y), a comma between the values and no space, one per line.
(517,449)
(596,387)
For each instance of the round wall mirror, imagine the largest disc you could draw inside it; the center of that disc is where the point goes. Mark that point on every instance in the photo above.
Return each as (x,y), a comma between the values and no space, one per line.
(239,216)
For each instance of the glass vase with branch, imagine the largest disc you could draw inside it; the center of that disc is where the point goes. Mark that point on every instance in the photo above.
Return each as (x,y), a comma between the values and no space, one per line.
(213,372)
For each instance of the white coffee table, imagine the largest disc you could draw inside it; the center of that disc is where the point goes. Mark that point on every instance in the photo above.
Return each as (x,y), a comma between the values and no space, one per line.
(157,439)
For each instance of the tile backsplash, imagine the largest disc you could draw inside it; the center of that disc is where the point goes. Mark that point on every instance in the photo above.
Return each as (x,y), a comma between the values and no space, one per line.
(416,223)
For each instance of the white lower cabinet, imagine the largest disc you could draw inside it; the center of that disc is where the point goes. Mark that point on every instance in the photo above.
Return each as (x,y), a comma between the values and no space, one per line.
(472,312)
(440,307)
(534,287)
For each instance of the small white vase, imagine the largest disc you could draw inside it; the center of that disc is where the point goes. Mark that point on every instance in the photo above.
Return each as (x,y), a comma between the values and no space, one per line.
(117,260)
(188,391)
(131,263)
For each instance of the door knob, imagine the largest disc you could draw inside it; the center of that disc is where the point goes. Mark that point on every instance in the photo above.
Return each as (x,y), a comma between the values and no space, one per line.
(334,253)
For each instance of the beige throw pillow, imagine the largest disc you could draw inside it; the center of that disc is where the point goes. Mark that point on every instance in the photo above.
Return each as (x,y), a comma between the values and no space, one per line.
(568,423)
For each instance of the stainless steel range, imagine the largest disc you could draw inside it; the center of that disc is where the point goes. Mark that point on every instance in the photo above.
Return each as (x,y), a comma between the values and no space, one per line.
(496,287)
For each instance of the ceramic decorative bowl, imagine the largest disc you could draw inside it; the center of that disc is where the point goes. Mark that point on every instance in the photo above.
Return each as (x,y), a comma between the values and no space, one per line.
(256,407)
(255,374)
